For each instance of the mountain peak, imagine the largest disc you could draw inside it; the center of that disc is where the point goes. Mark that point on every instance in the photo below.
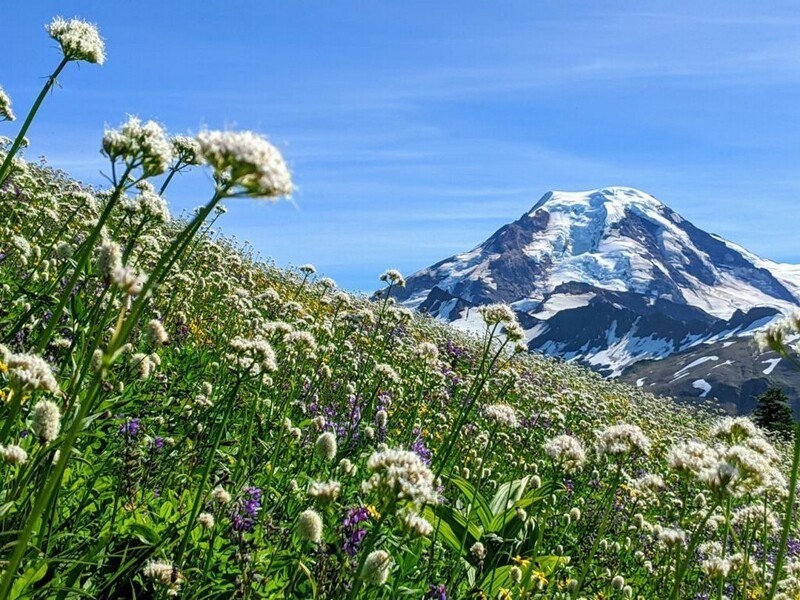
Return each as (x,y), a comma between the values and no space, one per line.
(613,199)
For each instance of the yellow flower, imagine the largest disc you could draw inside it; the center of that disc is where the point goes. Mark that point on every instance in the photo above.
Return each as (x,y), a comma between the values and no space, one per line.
(521,561)
(539,578)
(504,594)
(3,367)
(373,512)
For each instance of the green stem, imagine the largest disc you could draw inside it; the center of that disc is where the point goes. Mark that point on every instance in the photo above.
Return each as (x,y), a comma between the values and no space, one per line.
(787,518)
(6,166)
(198,498)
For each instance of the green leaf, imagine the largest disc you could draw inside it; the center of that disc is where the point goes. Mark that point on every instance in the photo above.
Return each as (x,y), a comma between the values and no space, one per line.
(507,494)
(471,495)
(145,533)
(451,526)
(29,577)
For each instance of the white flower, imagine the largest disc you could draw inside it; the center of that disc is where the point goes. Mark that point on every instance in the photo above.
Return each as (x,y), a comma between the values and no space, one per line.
(164,573)
(324,491)
(376,567)
(6,114)
(478,551)
(393,277)
(415,523)
(567,452)
(206,520)
(46,421)
(734,429)
(325,446)
(13,454)
(402,474)
(79,40)
(309,526)
(29,373)
(144,146)
(246,162)
(692,457)
(148,204)
(156,334)
(501,414)
(129,282)
(108,260)
(220,495)
(622,439)
(186,150)
(494,314)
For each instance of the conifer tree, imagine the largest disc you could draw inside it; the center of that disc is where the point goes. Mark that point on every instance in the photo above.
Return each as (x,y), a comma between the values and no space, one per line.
(774,413)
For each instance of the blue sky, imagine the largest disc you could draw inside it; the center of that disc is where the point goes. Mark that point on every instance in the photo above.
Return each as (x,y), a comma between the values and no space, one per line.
(415,129)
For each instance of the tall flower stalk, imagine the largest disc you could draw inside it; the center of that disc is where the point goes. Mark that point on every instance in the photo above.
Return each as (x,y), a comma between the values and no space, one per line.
(79,41)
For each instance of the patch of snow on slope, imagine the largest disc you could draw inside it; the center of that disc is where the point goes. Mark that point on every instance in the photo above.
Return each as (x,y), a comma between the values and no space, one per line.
(683,371)
(772,363)
(702,384)
(558,302)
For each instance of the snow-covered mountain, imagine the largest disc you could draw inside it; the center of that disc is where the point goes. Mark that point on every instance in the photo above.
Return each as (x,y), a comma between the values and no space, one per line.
(609,277)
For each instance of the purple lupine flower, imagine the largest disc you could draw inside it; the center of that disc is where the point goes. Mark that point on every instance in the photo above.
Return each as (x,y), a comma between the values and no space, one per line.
(353,534)
(158,442)
(419,447)
(436,592)
(130,428)
(246,509)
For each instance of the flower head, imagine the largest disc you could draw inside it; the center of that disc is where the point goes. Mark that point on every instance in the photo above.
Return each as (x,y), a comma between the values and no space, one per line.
(325,446)
(186,150)
(46,420)
(393,277)
(567,452)
(309,526)
(400,473)
(376,567)
(6,114)
(139,145)
(246,162)
(79,40)
(501,414)
(30,372)
(622,439)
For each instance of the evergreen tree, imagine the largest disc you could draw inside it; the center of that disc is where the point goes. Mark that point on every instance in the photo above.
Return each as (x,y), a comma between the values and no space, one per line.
(774,413)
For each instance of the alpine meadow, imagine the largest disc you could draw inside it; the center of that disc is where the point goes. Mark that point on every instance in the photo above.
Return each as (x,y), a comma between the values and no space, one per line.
(182,418)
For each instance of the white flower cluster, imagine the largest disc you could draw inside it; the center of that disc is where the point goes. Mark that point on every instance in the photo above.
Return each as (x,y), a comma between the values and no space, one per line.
(186,150)
(79,40)
(138,144)
(622,439)
(401,474)
(309,526)
(734,429)
(46,420)
(494,314)
(748,465)
(255,356)
(501,414)
(29,372)
(393,277)
(148,204)
(780,334)
(414,523)
(13,454)
(108,259)
(6,114)
(164,574)
(324,491)
(247,162)
(567,452)
(376,567)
